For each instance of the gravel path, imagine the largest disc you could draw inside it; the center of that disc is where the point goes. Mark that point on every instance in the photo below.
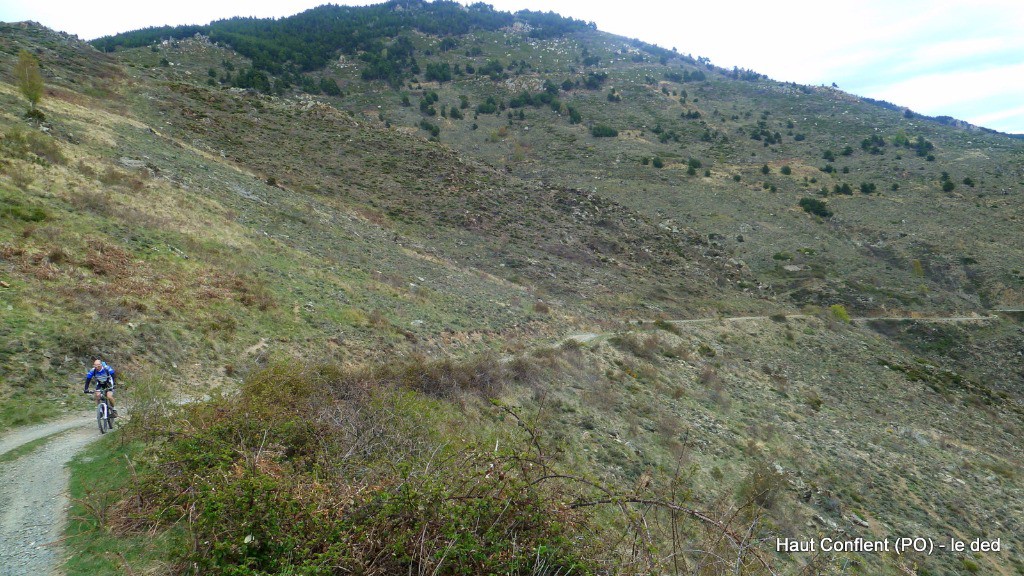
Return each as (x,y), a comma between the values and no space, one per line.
(33,494)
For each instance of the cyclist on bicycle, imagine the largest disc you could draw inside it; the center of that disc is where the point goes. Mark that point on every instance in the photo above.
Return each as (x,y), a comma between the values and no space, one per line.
(104,376)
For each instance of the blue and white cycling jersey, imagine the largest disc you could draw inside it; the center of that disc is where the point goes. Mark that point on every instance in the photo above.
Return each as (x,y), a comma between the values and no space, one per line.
(104,376)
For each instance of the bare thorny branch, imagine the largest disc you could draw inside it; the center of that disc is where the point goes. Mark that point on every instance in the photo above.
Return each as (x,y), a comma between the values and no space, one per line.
(743,542)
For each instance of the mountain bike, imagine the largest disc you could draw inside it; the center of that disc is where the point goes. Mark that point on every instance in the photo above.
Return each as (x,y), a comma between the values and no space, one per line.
(104,417)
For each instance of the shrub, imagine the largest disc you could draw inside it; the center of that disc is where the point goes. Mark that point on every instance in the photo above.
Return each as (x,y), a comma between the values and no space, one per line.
(839,312)
(574,115)
(844,189)
(815,206)
(763,486)
(658,162)
(648,348)
(434,129)
(488,106)
(813,399)
(593,81)
(603,131)
(327,85)
(345,473)
(492,68)
(667,326)
(440,72)
(786,170)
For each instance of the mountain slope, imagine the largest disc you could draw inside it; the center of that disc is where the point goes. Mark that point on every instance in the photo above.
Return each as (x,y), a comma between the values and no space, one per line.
(195,231)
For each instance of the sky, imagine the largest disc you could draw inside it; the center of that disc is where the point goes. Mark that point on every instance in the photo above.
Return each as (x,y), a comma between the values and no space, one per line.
(959,58)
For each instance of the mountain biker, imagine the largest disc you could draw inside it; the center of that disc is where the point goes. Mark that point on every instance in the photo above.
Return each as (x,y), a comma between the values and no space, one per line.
(104,376)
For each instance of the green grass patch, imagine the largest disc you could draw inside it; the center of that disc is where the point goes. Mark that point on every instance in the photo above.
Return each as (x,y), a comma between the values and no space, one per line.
(26,448)
(96,545)
(19,411)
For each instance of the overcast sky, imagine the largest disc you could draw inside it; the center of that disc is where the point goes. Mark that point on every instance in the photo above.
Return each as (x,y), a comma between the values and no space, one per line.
(960,58)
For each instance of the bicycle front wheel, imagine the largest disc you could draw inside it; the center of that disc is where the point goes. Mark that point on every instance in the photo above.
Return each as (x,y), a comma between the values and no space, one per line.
(101,418)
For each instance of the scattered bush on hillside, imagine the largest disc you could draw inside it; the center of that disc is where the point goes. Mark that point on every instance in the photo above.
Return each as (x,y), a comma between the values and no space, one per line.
(839,312)
(488,106)
(603,131)
(947,182)
(843,188)
(434,129)
(593,81)
(815,206)
(438,72)
(763,486)
(873,144)
(667,326)
(574,115)
(492,68)
(648,348)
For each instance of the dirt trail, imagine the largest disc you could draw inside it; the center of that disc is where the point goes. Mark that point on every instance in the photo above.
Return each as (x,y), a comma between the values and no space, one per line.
(33,493)
(860,319)
(591,337)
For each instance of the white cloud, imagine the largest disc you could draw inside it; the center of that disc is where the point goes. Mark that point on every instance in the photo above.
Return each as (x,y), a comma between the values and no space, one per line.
(1015,116)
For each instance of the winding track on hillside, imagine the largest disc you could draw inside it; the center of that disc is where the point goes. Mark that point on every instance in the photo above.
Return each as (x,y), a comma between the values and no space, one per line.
(33,493)
(586,337)
(33,486)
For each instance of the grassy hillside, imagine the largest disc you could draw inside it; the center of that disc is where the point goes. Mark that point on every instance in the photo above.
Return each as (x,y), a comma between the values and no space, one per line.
(440,276)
